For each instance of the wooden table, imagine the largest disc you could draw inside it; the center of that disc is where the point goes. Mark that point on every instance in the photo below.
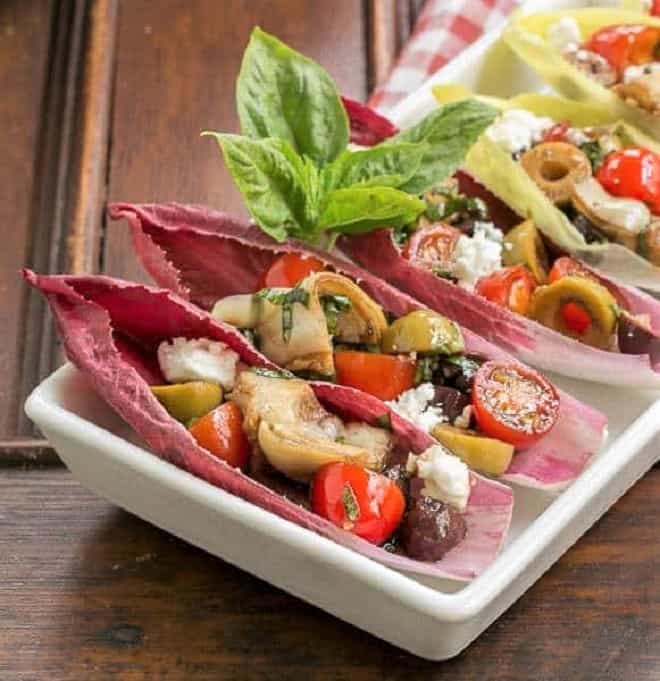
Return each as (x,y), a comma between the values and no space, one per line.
(104,100)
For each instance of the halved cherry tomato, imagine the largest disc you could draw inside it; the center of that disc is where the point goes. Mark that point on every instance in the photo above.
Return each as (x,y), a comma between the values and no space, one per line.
(355,499)
(557,133)
(384,376)
(433,246)
(221,433)
(633,173)
(567,267)
(513,403)
(576,318)
(510,287)
(625,45)
(287,270)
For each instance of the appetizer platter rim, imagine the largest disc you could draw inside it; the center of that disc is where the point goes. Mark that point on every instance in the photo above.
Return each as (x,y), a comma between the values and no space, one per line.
(47,411)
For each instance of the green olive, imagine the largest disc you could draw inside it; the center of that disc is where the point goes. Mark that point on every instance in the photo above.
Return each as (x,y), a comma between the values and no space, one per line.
(423,331)
(186,401)
(523,246)
(484,454)
(548,306)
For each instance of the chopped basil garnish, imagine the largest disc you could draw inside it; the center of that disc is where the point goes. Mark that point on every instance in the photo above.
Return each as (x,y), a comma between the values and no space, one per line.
(454,204)
(350,503)
(443,273)
(273,373)
(424,369)
(401,234)
(594,152)
(384,421)
(309,375)
(333,306)
(468,365)
(286,299)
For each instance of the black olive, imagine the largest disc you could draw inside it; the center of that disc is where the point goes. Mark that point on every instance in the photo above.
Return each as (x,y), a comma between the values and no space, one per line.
(430,529)
(635,338)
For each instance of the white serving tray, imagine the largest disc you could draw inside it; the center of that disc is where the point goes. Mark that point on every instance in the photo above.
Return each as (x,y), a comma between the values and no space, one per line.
(434,619)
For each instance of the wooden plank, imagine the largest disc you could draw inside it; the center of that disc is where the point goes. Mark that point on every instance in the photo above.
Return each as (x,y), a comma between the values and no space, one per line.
(175,77)
(24,30)
(90,592)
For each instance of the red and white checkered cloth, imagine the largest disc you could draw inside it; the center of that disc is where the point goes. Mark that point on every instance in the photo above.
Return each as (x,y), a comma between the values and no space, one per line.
(444,28)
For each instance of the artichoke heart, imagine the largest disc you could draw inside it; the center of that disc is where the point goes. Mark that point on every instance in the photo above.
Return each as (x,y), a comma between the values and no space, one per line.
(297,435)
(547,307)
(291,324)
(622,220)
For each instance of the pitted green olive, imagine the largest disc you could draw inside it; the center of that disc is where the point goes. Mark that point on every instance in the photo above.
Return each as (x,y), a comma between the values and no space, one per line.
(186,401)
(523,245)
(423,331)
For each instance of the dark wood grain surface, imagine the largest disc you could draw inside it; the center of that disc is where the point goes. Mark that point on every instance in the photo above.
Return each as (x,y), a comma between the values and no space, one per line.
(105,98)
(175,77)
(24,45)
(90,592)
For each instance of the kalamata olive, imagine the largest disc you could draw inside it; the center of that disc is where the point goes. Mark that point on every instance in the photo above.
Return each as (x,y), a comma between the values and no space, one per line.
(457,372)
(452,401)
(635,338)
(399,475)
(430,529)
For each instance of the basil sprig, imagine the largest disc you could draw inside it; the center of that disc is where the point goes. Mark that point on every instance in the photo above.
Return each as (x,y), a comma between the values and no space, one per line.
(286,299)
(292,165)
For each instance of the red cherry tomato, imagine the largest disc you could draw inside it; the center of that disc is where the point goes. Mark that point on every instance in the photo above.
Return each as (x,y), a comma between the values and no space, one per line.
(221,433)
(513,403)
(557,133)
(625,45)
(384,376)
(287,270)
(433,246)
(632,173)
(565,267)
(655,8)
(576,318)
(510,287)
(355,499)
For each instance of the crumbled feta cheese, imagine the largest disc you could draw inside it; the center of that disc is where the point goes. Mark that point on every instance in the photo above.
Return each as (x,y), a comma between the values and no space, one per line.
(198,359)
(516,130)
(564,34)
(415,405)
(478,255)
(377,488)
(445,476)
(634,72)
(577,137)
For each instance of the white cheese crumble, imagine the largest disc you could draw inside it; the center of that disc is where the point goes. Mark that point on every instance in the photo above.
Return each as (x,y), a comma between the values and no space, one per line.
(198,359)
(516,130)
(478,255)
(414,405)
(445,476)
(634,72)
(564,34)
(577,137)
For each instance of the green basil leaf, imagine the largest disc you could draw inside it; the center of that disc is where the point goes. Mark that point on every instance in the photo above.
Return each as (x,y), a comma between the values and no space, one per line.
(382,166)
(361,209)
(449,133)
(273,181)
(280,93)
